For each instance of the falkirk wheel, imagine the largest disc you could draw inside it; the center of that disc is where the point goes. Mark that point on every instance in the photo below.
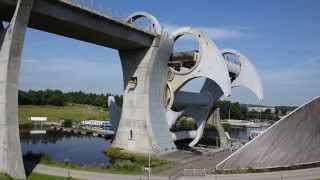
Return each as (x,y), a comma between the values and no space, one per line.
(153,79)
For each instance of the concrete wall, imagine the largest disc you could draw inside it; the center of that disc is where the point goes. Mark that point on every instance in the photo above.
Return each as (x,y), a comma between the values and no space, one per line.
(293,140)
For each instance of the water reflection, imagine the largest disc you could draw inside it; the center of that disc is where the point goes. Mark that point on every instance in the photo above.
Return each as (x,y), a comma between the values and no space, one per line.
(242,133)
(80,149)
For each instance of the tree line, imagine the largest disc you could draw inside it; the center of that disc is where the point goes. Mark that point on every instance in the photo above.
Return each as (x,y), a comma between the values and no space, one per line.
(238,111)
(59,98)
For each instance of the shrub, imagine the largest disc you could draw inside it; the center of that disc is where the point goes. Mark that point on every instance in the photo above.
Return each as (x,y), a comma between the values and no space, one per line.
(67,123)
(121,157)
(186,123)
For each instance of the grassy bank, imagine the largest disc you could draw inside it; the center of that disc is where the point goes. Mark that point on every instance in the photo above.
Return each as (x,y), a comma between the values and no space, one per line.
(133,163)
(122,163)
(36,176)
(74,112)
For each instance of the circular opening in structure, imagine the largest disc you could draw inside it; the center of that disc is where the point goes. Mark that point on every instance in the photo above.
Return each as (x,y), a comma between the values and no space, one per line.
(194,86)
(233,64)
(143,23)
(184,123)
(186,54)
(231,58)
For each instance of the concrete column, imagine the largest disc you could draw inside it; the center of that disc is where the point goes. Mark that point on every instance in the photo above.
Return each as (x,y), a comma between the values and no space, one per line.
(215,118)
(143,127)
(10,57)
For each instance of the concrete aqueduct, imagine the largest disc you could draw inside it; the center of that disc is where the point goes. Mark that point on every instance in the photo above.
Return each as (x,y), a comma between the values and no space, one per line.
(153,74)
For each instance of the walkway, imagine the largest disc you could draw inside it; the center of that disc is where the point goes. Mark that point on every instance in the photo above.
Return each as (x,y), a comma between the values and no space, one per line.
(301,174)
(207,159)
(311,173)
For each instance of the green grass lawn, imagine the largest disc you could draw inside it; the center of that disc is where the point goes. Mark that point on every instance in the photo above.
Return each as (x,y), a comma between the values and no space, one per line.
(36,176)
(75,112)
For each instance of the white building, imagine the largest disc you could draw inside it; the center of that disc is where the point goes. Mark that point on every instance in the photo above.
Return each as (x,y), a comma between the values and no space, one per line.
(262,109)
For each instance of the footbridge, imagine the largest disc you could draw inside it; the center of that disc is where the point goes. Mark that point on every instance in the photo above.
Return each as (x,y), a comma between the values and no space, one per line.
(70,19)
(153,74)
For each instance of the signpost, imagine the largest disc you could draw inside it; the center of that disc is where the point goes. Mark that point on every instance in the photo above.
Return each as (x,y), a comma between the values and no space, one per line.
(156,149)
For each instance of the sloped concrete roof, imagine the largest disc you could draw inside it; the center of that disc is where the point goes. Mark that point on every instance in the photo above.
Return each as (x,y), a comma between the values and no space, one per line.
(293,140)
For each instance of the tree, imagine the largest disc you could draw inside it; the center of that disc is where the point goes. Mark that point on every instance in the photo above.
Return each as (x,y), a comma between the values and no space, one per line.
(58,98)
(236,111)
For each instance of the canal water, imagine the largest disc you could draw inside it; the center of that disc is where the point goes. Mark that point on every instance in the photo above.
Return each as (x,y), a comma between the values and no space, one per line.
(242,133)
(79,149)
(85,149)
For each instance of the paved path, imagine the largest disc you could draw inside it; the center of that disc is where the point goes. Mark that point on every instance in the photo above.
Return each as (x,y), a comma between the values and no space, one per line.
(188,160)
(55,171)
(301,174)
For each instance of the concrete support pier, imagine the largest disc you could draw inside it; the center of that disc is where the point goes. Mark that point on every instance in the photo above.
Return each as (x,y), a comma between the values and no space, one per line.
(12,38)
(143,127)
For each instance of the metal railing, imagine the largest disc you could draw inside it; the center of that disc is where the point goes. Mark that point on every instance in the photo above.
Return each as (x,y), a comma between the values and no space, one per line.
(188,172)
(99,7)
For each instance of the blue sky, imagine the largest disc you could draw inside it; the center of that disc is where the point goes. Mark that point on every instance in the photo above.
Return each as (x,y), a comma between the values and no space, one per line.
(281,38)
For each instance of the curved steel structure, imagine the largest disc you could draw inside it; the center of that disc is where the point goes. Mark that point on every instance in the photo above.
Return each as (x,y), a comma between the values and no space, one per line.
(247,76)
(210,63)
(154,23)
(169,102)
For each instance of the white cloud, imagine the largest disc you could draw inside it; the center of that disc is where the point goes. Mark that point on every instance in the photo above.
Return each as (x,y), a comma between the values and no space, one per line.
(30,60)
(212,32)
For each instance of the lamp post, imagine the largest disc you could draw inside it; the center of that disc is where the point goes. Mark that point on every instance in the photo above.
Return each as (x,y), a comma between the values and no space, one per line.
(155,149)
(149,169)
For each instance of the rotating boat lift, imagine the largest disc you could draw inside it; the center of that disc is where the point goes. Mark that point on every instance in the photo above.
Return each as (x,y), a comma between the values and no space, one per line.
(153,79)
(153,75)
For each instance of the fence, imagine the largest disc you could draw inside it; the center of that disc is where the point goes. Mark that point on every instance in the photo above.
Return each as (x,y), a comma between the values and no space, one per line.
(188,172)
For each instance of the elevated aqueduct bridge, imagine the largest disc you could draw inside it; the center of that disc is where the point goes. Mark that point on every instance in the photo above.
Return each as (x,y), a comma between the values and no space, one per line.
(153,75)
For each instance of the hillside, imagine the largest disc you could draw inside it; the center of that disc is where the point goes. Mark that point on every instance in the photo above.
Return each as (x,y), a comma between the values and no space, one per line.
(75,112)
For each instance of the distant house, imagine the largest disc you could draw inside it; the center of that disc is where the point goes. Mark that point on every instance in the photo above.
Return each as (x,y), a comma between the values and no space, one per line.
(262,109)
(38,119)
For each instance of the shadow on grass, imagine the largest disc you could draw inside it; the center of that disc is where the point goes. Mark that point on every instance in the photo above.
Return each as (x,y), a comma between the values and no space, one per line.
(30,161)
